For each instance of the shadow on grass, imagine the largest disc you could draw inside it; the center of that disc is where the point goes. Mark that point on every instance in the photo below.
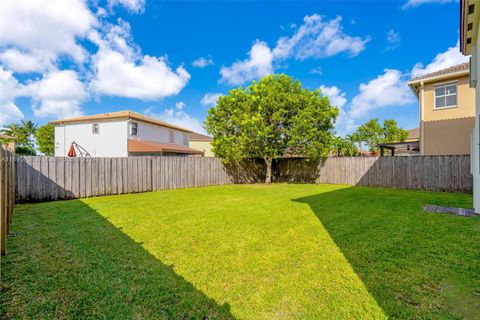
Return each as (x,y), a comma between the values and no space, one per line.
(415,264)
(70,262)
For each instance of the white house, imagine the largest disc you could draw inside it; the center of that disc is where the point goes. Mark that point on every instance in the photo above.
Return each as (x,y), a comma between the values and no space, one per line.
(469,45)
(120,134)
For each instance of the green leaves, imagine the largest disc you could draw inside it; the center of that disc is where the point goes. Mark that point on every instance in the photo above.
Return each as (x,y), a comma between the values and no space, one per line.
(372,133)
(45,138)
(22,134)
(271,118)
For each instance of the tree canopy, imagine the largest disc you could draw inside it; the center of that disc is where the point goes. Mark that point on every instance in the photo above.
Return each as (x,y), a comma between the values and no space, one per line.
(45,138)
(372,133)
(269,119)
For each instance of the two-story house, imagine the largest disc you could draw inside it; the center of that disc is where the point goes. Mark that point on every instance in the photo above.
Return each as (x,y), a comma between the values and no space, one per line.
(469,45)
(447,111)
(120,134)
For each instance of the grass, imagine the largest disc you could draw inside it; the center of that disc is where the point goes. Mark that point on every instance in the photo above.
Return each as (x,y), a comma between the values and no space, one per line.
(244,252)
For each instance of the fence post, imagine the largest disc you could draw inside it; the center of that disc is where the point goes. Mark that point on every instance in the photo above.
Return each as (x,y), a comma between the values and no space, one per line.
(3,215)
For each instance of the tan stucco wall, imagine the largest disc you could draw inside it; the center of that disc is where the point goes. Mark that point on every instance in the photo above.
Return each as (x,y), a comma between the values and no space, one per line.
(465,101)
(204,146)
(447,131)
(444,137)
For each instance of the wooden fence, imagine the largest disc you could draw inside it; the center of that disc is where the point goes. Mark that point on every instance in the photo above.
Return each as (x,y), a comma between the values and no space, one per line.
(432,173)
(49,178)
(7,194)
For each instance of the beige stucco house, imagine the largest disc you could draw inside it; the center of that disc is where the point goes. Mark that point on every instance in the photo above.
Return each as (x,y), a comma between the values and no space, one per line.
(447,111)
(469,43)
(201,142)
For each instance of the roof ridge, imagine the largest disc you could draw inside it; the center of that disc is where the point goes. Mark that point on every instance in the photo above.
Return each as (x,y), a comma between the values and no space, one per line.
(120,114)
(452,69)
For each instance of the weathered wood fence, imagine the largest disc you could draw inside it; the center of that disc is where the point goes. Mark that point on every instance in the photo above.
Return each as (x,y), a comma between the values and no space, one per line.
(432,173)
(7,194)
(49,178)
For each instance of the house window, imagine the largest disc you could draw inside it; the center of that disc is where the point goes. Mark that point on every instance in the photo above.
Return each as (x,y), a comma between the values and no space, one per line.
(185,138)
(171,136)
(95,128)
(446,95)
(134,129)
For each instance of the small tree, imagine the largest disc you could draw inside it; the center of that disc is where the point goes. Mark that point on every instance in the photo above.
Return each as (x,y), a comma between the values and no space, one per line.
(372,133)
(392,133)
(45,138)
(270,119)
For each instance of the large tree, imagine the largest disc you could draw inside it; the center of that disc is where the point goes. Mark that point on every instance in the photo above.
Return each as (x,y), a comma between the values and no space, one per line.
(372,133)
(45,138)
(269,119)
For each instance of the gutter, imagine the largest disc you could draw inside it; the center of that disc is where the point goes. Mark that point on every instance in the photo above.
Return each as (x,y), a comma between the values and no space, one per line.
(439,77)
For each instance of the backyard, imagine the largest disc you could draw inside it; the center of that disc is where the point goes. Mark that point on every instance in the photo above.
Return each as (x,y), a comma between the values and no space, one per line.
(280,251)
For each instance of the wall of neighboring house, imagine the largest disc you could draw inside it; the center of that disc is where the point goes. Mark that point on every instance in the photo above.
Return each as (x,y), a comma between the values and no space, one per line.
(110,141)
(202,145)
(475,159)
(447,131)
(156,133)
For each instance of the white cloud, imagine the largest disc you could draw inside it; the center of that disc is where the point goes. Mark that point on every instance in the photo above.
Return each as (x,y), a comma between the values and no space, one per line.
(134,6)
(9,113)
(451,57)
(257,65)
(178,117)
(121,70)
(416,3)
(317,70)
(315,38)
(59,94)
(180,105)
(335,95)
(210,99)
(47,28)
(393,40)
(318,39)
(387,90)
(9,89)
(9,86)
(203,62)
(22,62)
(344,124)
(149,79)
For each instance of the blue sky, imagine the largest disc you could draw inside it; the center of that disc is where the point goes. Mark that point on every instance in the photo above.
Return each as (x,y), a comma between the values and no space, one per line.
(172,59)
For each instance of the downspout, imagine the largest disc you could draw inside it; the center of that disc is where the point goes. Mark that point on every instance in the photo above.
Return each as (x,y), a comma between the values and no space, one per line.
(64,136)
(422,118)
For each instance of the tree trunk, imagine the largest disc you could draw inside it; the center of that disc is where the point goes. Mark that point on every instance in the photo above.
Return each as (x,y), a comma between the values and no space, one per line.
(268,177)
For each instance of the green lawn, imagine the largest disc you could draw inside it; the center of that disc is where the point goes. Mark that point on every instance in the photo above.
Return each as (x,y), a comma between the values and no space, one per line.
(244,252)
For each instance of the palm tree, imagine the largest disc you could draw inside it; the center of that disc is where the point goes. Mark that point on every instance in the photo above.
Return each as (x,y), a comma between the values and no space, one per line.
(345,147)
(30,129)
(15,131)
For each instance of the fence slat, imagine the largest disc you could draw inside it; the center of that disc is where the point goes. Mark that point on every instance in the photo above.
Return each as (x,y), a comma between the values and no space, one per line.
(8,188)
